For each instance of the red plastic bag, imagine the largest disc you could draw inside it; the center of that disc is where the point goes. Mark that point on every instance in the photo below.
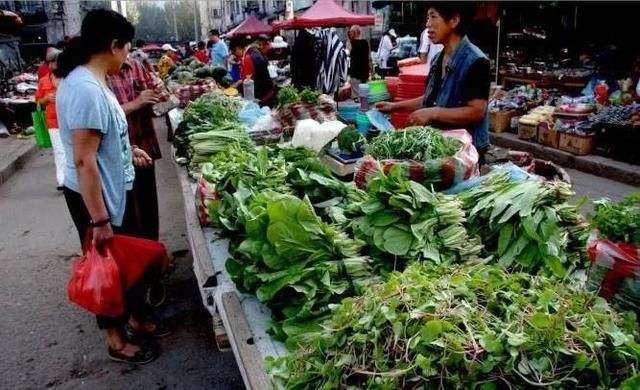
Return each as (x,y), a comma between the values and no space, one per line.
(615,271)
(95,284)
(207,200)
(137,256)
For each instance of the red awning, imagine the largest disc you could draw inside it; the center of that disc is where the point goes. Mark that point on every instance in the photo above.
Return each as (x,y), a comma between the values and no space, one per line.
(250,26)
(326,13)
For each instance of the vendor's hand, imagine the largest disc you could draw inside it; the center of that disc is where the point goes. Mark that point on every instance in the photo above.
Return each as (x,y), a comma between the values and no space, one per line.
(141,159)
(147,97)
(385,106)
(421,117)
(101,234)
(51,98)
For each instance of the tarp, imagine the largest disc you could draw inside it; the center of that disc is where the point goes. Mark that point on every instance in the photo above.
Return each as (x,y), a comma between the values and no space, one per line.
(326,13)
(250,26)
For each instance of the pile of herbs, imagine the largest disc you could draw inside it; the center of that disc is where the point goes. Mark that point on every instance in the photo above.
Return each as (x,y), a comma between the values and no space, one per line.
(309,96)
(350,140)
(475,326)
(295,263)
(288,95)
(527,225)
(402,220)
(618,221)
(413,143)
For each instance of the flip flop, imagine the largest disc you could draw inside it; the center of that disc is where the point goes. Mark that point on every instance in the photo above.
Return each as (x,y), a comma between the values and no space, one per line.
(143,356)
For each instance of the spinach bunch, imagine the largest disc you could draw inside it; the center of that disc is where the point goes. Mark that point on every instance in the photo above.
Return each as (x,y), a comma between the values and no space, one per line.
(618,221)
(350,140)
(413,143)
(474,326)
(212,108)
(288,95)
(527,224)
(402,219)
(309,96)
(295,263)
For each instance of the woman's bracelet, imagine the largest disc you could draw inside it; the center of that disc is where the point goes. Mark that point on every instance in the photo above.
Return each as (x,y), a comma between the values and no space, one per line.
(99,223)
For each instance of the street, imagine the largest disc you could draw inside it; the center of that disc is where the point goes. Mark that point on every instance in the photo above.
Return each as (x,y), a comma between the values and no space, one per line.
(52,344)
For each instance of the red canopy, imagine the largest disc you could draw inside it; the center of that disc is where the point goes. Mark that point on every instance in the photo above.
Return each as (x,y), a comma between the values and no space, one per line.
(250,26)
(326,13)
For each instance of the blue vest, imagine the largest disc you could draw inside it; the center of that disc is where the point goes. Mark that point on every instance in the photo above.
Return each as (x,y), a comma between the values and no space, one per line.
(452,86)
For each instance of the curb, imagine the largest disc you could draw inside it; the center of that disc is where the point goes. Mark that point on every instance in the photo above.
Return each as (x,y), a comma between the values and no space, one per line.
(592,164)
(17,163)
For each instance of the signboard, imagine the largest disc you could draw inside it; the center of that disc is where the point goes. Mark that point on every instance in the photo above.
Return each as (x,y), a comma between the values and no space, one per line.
(379,21)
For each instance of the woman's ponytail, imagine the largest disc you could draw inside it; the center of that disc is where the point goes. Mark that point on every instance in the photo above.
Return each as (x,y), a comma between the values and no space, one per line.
(75,54)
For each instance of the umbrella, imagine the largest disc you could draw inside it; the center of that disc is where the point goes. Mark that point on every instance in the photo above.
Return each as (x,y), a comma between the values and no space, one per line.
(250,26)
(326,13)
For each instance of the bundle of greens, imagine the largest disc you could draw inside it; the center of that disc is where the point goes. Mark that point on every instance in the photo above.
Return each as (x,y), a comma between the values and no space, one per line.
(350,140)
(402,218)
(413,143)
(212,108)
(471,327)
(618,221)
(288,95)
(527,224)
(295,263)
(210,140)
(309,96)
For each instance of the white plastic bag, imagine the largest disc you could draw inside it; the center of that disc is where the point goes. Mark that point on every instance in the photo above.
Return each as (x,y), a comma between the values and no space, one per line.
(314,135)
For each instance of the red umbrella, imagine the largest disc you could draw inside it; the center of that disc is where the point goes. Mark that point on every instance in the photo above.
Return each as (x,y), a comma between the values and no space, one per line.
(326,13)
(250,26)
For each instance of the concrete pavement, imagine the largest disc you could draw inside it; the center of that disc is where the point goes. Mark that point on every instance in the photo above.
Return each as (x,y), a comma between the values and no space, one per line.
(49,343)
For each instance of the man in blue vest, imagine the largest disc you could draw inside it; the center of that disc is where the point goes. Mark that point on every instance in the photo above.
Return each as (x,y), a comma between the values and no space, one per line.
(457,90)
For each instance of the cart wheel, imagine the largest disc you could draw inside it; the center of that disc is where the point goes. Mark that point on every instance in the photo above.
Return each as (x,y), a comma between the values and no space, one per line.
(156,294)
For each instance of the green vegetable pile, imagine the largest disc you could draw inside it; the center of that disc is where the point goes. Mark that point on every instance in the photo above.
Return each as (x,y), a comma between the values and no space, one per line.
(413,143)
(402,218)
(295,263)
(350,140)
(471,327)
(288,95)
(212,108)
(309,96)
(527,225)
(618,221)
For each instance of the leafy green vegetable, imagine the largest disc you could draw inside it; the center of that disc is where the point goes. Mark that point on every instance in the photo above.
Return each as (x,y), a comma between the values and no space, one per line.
(295,263)
(618,221)
(350,140)
(309,96)
(527,224)
(474,326)
(402,218)
(413,143)
(288,95)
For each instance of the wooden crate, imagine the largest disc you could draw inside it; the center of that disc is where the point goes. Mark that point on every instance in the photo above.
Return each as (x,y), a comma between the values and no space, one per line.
(576,143)
(528,132)
(500,121)
(547,136)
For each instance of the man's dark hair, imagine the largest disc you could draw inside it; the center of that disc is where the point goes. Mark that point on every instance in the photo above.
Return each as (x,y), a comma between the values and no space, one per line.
(99,28)
(201,45)
(214,32)
(236,43)
(448,10)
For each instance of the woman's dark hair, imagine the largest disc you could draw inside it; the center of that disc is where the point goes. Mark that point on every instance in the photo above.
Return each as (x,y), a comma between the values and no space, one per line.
(236,43)
(201,45)
(99,28)
(448,10)
(209,44)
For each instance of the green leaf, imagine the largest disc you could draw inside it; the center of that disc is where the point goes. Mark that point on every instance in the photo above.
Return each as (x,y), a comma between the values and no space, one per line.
(540,320)
(505,238)
(431,330)
(397,241)
(382,218)
(516,339)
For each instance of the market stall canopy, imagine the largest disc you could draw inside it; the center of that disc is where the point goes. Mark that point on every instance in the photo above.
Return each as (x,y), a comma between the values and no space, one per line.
(250,26)
(326,13)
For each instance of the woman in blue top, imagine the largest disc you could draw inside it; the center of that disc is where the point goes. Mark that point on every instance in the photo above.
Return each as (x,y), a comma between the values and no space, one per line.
(99,162)
(457,90)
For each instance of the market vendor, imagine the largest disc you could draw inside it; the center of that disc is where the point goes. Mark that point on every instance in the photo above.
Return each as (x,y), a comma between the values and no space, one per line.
(457,90)
(253,65)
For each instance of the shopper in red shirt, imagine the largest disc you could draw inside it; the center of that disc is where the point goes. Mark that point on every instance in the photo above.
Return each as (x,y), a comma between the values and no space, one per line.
(253,65)
(201,53)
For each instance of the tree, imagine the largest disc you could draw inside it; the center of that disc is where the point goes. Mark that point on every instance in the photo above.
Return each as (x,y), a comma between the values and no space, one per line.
(152,23)
(185,18)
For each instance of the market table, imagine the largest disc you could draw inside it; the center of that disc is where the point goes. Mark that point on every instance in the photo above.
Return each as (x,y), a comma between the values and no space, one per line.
(245,319)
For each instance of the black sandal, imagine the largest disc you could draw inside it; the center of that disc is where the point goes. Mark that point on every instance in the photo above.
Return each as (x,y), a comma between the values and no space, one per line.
(143,356)
(160,331)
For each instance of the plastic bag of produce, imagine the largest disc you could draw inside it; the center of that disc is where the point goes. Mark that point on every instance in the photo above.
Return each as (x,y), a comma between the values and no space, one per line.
(95,283)
(206,196)
(251,113)
(442,173)
(615,271)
